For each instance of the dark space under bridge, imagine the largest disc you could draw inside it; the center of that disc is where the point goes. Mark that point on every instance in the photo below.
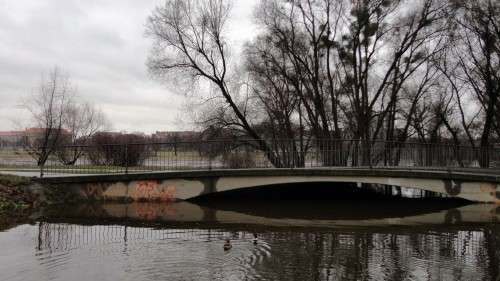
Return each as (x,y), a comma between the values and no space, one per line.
(184,170)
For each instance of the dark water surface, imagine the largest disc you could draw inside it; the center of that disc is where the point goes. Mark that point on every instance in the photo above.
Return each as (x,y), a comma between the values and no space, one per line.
(297,240)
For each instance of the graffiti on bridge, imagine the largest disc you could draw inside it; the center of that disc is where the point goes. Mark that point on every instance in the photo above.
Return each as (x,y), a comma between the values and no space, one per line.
(153,190)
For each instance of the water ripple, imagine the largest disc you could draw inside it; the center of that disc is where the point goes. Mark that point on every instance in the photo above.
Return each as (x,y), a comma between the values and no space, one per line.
(112,252)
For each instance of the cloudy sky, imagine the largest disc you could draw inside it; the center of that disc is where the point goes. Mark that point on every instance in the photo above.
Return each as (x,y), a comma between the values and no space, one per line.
(101,44)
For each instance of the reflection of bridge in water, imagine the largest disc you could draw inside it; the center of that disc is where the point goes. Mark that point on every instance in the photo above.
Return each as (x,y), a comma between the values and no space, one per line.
(62,237)
(124,223)
(325,214)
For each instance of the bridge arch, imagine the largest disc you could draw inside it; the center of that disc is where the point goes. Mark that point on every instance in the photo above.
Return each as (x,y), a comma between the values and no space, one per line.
(470,190)
(323,185)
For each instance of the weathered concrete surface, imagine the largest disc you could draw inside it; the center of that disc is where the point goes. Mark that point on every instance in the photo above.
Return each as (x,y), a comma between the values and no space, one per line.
(474,185)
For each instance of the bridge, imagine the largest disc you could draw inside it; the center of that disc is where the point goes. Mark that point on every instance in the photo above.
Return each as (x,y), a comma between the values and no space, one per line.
(186,170)
(475,185)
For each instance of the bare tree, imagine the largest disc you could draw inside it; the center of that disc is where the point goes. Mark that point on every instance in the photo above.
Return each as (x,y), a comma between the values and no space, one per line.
(82,121)
(189,40)
(346,62)
(473,70)
(48,105)
(274,96)
(333,69)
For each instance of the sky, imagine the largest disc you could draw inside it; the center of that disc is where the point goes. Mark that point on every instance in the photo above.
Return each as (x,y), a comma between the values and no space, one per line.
(101,45)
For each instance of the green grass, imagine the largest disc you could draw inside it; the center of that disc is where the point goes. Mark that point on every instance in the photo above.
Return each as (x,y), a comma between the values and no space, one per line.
(10,207)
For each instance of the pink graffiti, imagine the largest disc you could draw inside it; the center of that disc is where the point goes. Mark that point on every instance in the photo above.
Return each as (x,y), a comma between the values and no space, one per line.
(153,211)
(154,191)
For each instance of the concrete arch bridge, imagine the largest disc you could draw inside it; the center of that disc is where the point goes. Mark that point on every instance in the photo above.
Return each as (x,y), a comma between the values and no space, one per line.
(472,184)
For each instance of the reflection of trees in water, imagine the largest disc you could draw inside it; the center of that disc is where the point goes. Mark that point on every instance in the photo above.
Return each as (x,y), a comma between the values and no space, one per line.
(395,254)
(492,239)
(455,255)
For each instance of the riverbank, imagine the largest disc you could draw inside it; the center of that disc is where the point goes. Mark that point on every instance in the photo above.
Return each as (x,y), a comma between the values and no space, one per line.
(16,202)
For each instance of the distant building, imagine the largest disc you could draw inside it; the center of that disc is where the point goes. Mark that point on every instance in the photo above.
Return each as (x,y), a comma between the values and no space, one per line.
(32,134)
(13,139)
(109,133)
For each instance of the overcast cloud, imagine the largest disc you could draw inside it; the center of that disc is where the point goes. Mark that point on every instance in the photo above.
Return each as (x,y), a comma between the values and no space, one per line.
(101,44)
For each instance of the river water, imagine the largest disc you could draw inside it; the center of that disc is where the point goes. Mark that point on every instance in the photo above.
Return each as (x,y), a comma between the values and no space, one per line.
(296,240)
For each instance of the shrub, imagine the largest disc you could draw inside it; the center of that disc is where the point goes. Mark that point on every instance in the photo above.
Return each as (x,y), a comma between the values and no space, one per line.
(238,159)
(118,149)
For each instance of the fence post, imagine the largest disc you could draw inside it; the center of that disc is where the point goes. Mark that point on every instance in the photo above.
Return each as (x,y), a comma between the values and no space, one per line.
(42,164)
(355,156)
(210,153)
(126,158)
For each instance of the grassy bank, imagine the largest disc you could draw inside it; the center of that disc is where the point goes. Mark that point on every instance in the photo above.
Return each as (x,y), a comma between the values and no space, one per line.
(15,202)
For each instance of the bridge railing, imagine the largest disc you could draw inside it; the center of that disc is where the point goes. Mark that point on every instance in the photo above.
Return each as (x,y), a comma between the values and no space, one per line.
(239,154)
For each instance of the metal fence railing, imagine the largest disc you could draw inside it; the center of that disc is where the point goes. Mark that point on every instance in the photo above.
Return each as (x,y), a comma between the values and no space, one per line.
(237,154)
